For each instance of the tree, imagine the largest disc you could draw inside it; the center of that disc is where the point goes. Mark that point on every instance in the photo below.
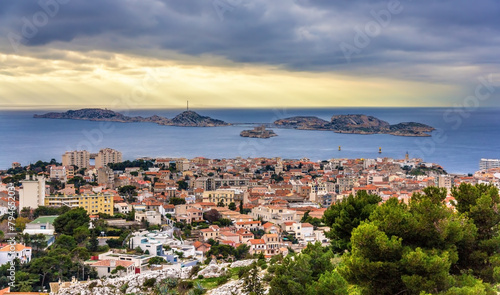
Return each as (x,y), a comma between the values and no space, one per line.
(71,220)
(330,282)
(241,251)
(212,215)
(43,266)
(220,203)
(65,242)
(252,284)
(21,223)
(81,233)
(156,260)
(412,249)
(182,185)
(232,206)
(241,207)
(345,216)
(131,215)
(481,204)
(177,201)
(93,243)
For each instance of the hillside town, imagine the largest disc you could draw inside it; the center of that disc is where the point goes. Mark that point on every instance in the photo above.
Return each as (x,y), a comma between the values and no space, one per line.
(166,214)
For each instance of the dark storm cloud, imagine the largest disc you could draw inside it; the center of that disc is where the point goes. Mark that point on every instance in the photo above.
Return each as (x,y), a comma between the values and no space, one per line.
(300,34)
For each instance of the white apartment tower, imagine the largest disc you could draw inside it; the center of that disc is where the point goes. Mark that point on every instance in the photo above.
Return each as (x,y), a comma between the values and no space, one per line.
(32,192)
(106,156)
(486,164)
(81,159)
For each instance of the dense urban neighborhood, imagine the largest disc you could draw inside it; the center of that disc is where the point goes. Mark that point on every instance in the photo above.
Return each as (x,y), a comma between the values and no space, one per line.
(97,224)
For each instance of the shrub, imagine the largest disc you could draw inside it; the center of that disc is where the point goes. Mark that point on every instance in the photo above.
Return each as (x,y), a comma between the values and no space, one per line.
(185,285)
(149,282)
(200,277)
(194,270)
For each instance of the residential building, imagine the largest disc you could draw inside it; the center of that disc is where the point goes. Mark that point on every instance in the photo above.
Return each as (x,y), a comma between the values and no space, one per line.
(225,196)
(149,245)
(58,173)
(11,252)
(41,225)
(257,246)
(486,164)
(304,232)
(81,159)
(140,261)
(153,217)
(105,268)
(105,176)
(92,203)
(106,156)
(274,214)
(123,208)
(273,243)
(32,192)
(210,233)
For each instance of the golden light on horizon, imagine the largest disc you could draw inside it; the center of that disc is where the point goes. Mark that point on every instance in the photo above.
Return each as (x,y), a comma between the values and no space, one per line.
(101,79)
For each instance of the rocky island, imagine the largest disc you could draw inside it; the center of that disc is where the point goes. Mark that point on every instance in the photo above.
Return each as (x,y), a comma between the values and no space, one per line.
(356,124)
(258,132)
(184,119)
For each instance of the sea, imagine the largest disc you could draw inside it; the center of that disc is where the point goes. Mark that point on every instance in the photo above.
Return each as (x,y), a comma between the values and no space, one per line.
(462,136)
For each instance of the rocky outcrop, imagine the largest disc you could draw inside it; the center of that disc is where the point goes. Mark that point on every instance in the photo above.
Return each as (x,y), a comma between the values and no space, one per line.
(357,124)
(258,132)
(185,119)
(192,119)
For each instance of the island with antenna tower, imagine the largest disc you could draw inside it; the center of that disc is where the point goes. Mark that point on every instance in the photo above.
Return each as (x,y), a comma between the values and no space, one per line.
(351,124)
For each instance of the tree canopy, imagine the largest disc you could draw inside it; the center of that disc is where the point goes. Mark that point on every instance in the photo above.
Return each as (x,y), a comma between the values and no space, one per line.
(68,222)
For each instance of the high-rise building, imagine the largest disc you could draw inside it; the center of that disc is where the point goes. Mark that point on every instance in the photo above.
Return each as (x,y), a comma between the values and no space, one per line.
(106,156)
(32,192)
(485,164)
(81,159)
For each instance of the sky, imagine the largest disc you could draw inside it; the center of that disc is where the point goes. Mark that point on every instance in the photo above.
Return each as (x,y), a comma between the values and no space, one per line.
(61,54)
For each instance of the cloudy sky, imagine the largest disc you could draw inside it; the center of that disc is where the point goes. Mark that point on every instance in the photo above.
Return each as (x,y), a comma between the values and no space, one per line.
(247,53)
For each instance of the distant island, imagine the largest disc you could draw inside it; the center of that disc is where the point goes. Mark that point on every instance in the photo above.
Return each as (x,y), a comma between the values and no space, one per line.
(356,124)
(184,119)
(258,132)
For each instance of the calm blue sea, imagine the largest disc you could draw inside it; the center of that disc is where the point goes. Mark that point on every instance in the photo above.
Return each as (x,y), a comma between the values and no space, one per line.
(462,139)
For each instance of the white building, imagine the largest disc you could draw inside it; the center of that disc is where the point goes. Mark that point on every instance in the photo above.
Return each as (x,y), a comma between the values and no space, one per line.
(32,193)
(485,164)
(123,208)
(11,252)
(304,232)
(41,225)
(153,217)
(149,245)
(106,268)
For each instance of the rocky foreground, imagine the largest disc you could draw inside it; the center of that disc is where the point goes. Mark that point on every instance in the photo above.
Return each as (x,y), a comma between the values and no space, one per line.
(134,284)
(356,124)
(184,119)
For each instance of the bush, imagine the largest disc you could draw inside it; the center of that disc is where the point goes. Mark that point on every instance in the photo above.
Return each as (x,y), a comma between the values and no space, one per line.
(185,285)
(222,280)
(243,271)
(264,266)
(200,277)
(149,282)
(194,270)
